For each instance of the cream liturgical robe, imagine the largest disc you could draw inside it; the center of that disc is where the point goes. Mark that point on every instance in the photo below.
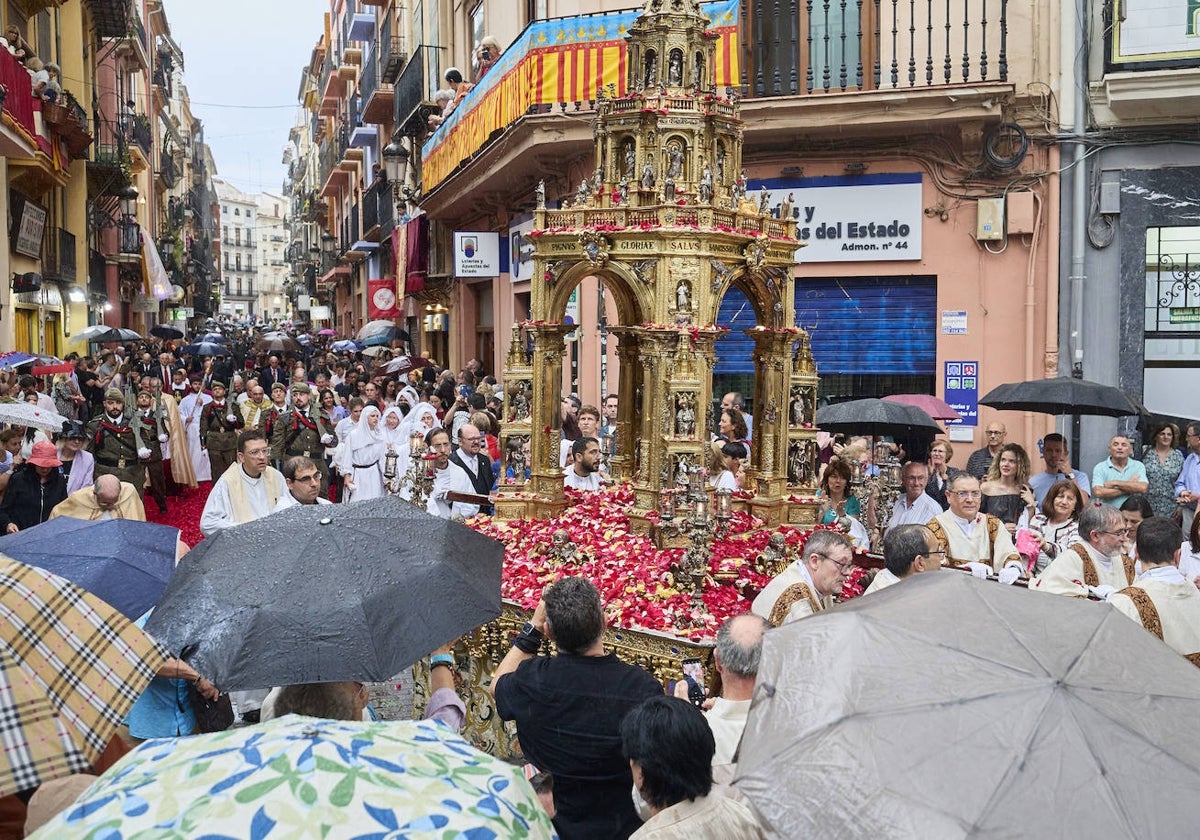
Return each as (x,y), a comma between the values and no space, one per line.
(1168,605)
(988,541)
(790,596)
(883,579)
(1080,566)
(238,498)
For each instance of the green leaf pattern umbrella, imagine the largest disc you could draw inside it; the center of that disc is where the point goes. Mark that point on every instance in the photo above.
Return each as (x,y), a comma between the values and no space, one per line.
(303,777)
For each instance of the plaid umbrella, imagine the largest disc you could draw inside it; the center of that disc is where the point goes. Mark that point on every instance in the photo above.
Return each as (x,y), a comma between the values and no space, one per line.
(71,667)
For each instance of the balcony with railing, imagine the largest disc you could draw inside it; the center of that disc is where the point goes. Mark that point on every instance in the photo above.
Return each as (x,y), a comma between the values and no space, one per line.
(332,87)
(376,96)
(58,256)
(140,132)
(370,213)
(110,18)
(411,106)
(391,59)
(133,44)
(108,160)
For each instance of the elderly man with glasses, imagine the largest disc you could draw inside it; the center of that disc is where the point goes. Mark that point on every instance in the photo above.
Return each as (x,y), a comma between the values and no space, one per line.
(981,459)
(974,540)
(1096,565)
(808,585)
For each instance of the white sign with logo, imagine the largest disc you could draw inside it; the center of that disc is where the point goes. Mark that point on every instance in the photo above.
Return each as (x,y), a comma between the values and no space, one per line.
(520,252)
(851,218)
(476,254)
(319,313)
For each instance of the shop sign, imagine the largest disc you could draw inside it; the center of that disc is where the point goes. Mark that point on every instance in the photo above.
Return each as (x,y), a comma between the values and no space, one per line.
(520,257)
(319,313)
(1185,315)
(476,254)
(961,387)
(1153,32)
(954,322)
(851,218)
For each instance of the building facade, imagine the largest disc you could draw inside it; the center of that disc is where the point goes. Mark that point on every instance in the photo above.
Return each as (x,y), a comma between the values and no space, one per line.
(107,191)
(240,284)
(1130,215)
(922,174)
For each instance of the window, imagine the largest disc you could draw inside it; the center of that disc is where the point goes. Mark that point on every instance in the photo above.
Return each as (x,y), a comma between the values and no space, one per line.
(477,35)
(237,211)
(1172,319)
(237,235)
(224,210)
(239,262)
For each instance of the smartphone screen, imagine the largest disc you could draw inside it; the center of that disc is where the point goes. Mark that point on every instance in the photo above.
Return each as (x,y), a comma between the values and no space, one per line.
(693,674)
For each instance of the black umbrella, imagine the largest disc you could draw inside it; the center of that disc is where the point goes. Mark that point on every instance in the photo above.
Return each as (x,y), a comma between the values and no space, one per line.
(206,348)
(166,331)
(875,417)
(323,593)
(1063,395)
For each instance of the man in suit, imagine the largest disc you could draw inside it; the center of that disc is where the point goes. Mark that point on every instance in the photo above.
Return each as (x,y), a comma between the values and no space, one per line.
(477,465)
(272,374)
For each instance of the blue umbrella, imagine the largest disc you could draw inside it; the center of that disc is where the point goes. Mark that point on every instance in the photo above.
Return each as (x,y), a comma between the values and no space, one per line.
(215,337)
(122,561)
(346,345)
(381,339)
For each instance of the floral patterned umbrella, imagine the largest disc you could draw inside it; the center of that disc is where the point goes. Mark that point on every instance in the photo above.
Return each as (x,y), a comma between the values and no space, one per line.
(303,777)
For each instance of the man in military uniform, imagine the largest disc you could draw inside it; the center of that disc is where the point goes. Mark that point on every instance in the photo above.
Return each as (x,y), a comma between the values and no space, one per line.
(301,431)
(219,425)
(153,434)
(113,444)
(279,405)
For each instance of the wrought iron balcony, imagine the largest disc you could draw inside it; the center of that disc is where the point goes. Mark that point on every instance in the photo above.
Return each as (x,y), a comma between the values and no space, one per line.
(391,59)
(109,17)
(411,106)
(140,132)
(829,46)
(168,170)
(58,256)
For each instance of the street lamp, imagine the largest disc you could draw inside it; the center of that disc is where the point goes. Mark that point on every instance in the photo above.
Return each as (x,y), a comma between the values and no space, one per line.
(395,163)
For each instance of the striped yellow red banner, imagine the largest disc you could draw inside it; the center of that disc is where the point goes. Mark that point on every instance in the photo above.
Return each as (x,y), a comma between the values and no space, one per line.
(561,60)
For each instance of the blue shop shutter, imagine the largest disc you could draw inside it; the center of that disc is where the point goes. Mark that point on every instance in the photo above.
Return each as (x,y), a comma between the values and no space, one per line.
(859,325)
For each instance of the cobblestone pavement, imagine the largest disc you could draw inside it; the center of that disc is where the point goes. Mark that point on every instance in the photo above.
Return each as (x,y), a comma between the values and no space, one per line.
(391,702)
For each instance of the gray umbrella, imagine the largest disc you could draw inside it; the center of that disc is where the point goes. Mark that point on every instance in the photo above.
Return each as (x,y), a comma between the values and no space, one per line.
(875,417)
(357,591)
(946,707)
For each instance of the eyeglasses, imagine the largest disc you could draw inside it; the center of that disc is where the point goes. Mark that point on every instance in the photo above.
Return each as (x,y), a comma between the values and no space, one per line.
(256,453)
(993,434)
(967,494)
(315,477)
(1123,532)
(932,552)
(844,568)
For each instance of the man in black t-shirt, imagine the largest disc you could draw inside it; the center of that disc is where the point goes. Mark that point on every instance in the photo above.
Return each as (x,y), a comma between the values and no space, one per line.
(568,709)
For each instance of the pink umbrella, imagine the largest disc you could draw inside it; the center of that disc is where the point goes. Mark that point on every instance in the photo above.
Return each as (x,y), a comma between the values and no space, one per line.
(931,405)
(327,332)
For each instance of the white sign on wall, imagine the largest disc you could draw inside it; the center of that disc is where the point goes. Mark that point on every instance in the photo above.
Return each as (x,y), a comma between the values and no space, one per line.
(476,254)
(520,252)
(1156,30)
(851,218)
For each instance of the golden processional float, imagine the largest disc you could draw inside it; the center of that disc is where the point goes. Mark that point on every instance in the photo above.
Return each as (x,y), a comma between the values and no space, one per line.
(667,224)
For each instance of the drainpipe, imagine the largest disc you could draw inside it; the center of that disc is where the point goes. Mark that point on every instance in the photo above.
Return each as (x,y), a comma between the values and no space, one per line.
(1078,228)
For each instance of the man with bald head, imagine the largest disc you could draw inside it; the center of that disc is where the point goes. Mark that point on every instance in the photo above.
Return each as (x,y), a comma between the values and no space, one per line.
(478,465)
(107,498)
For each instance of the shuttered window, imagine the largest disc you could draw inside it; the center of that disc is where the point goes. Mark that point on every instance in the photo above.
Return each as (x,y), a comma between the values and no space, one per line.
(874,326)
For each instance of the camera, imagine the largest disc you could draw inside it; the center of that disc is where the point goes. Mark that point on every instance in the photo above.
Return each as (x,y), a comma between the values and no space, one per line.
(486,54)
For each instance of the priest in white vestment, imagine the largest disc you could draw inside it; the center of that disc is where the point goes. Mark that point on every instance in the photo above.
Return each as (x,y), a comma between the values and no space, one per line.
(809,583)
(974,540)
(1095,564)
(190,409)
(1162,600)
(248,490)
(907,550)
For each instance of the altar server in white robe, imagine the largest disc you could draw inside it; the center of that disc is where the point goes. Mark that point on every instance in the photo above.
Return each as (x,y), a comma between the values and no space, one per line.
(190,409)
(361,458)
(248,490)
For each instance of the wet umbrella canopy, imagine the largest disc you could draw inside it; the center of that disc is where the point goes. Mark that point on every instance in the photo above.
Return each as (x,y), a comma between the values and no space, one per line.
(124,562)
(875,417)
(946,707)
(321,593)
(1064,395)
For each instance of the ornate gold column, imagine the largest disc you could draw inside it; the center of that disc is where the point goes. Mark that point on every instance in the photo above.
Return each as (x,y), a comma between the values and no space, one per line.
(546,476)
(628,392)
(772,374)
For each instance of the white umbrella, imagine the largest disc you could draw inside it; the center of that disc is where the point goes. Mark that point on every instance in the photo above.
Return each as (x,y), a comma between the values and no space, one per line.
(946,707)
(28,414)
